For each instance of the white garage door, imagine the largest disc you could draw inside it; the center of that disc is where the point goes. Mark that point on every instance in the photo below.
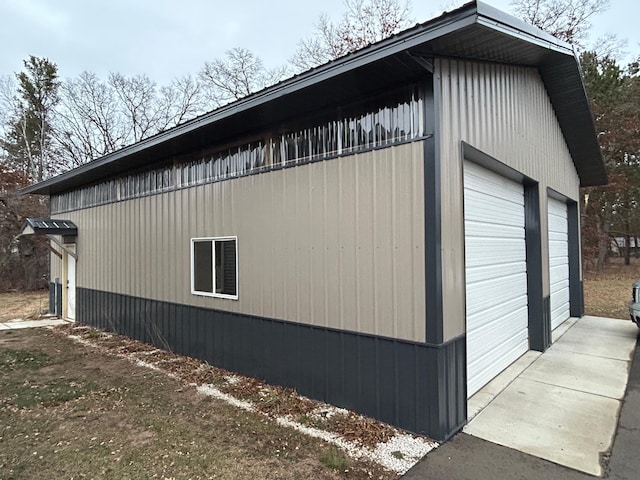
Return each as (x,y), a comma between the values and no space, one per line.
(496,274)
(558,261)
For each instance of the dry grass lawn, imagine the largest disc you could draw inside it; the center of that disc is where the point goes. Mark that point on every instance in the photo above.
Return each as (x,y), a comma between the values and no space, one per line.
(25,305)
(607,293)
(71,411)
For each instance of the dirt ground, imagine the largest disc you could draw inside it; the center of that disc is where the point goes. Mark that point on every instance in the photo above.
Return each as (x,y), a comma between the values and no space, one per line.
(607,293)
(25,305)
(70,411)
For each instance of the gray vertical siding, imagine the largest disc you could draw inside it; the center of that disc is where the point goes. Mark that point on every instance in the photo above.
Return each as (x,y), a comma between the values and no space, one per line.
(337,244)
(505,112)
(55,264)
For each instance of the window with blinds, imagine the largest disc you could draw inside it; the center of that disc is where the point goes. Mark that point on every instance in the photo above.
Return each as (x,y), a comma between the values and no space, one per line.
(214,267)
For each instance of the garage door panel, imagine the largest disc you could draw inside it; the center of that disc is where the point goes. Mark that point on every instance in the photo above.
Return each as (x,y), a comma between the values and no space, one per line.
(480,179)
(481,273)
(559,273)
(492,253)
(558,254)
(509,212)
(482,373)
(479,230)
(560,290)
(509,208)
(561,297)
(559,307)
(495,292)
(558,238)
(487,338)
(496,274)
(558,225)
(492,312)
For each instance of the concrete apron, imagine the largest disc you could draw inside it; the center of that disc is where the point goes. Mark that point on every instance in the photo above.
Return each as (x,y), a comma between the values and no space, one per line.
(562,405)
(18,323)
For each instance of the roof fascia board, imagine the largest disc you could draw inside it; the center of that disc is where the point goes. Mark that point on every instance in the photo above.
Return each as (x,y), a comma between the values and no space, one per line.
(492,17)
(513,32)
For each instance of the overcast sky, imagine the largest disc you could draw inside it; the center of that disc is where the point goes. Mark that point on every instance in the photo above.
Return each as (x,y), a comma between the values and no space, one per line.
(169,38)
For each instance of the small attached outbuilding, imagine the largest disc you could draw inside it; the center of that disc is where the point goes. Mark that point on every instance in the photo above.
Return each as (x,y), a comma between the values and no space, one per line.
(386,232)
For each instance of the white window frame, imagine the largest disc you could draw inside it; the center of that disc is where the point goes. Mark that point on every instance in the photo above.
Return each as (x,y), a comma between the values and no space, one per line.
(213,272)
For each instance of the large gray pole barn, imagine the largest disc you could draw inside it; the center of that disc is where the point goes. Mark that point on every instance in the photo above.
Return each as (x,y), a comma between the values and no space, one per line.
(386,232)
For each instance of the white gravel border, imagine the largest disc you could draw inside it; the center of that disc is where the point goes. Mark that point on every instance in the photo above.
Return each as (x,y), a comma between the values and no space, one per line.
(398,454)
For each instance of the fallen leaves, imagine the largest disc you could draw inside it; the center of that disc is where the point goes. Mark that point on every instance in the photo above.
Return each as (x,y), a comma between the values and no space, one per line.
(280,403)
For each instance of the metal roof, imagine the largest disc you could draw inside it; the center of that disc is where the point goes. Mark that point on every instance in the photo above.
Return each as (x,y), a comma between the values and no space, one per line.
(48,226)
(475,31)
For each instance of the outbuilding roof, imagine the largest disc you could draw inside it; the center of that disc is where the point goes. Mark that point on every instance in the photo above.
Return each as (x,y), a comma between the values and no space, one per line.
(48,226)
(475,31)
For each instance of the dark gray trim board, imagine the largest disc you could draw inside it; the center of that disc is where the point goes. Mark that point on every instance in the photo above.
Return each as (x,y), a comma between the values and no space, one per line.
(410,385)
(52,298)
(432,219)
(576,292)
(475,155)
(539,317)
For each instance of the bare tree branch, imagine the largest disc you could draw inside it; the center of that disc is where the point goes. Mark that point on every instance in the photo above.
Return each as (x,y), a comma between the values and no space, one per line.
(90,124)
(239,74)
(97,117)
(179,102)
(364,22)
(567,20)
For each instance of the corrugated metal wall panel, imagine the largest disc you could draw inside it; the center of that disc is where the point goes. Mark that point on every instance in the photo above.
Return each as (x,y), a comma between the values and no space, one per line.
(55,264)
(337,243)
(505,112)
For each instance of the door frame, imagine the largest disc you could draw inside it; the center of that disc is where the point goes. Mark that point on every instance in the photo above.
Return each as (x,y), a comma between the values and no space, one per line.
(67,258)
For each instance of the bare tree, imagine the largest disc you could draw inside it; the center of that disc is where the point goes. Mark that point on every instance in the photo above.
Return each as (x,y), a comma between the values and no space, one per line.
(90,124)
(8,89)
(364,22)
(239,74)
(610,46)
(567,20)
(97,117)
(179,102)
(136,103)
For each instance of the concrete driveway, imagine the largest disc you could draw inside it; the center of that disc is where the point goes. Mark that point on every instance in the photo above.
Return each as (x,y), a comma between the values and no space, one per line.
(551,415)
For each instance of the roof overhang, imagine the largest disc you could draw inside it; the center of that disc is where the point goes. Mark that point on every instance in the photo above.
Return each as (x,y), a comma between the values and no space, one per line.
(475,31)
(48,226)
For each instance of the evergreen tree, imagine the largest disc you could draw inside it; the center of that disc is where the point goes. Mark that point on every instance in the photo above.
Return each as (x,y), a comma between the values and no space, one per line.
(613,211)
(28,139)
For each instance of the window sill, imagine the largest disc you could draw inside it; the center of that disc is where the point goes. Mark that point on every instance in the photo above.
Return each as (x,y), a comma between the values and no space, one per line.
(214,295)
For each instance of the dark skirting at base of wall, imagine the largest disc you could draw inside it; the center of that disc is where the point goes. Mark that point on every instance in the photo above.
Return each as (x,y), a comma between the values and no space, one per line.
(414,386)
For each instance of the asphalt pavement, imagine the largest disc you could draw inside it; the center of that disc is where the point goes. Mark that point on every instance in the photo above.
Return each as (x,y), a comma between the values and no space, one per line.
(465,457)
